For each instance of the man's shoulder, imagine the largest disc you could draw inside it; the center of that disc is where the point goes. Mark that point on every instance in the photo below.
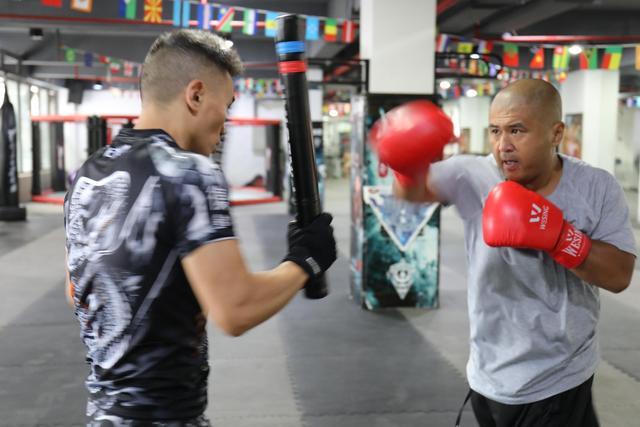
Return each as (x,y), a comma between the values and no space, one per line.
(582,172)
(175,164)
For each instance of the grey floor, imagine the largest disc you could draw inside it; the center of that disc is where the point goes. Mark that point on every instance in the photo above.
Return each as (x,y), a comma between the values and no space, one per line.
(317,363)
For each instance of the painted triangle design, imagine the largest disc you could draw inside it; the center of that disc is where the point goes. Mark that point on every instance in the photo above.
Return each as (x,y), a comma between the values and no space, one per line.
(402,220)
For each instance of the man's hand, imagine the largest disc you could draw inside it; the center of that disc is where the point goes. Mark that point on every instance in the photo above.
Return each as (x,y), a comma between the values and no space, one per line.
(409,138)
(516,217)
(312,247)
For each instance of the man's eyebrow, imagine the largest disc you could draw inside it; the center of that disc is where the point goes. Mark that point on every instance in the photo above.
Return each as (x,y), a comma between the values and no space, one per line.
(511,125)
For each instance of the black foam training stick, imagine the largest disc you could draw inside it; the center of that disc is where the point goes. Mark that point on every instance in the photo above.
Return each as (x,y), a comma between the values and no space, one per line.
(292,67)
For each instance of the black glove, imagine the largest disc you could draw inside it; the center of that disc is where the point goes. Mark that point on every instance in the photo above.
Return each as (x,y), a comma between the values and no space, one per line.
(312,247)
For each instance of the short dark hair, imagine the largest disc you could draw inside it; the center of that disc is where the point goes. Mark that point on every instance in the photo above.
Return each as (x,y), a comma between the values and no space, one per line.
(178,57)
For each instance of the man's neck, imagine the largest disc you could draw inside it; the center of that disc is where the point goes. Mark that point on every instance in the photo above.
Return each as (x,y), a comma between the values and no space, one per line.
(550,181)
(152,118)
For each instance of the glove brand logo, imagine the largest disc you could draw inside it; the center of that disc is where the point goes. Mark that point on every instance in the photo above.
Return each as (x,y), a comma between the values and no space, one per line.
(314,266)
(574,240)
(540,215)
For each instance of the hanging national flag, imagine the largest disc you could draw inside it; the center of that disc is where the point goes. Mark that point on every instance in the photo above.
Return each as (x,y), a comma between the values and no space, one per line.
(441,42)
(330,30)
(560,58)
(348,31)
(612,57)
(128,9)
(270,26)
(88,59)
(70,55)
(114,66)
(483,68)
(313,28)
(104,59)
(464,47)
(82,5)
(153,11)
(128,69)
(537,62)
(510,57)
(249,19)
(473,67)
(638,57)
(589,59)
(493,71)
(186,13)
(177,13)
(51,3)
(225,17)
(204,15)
(485,46)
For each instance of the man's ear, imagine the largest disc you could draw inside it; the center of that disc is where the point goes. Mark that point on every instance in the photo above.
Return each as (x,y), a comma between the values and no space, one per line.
(558,133)
(193,95)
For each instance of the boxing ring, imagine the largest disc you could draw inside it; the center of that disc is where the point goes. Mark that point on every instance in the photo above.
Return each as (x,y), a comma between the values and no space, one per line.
(90,133)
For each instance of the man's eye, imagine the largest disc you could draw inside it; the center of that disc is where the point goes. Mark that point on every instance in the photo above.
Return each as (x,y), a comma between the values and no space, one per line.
(515,131)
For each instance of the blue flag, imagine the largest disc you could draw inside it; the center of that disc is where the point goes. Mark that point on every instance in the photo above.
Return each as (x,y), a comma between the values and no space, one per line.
(177,15)
(270,25)
(88,59)
(186,13)
(204,16)
(313,28)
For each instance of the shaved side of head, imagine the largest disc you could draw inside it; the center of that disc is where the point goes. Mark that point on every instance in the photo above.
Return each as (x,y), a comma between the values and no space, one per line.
(176,58)
(532,93)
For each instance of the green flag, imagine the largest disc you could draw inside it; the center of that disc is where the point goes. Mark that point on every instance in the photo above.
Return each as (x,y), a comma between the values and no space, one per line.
(70,55)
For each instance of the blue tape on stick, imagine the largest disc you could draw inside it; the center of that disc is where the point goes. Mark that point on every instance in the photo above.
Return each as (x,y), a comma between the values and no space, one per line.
(290,47)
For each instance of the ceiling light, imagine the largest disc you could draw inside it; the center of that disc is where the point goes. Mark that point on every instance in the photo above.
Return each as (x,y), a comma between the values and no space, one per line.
(445,84)
(475,56)
(97,86)
(575,49)
(471,93)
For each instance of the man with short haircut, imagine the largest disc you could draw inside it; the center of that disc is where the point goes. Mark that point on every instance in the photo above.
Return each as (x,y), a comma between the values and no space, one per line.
(151,249)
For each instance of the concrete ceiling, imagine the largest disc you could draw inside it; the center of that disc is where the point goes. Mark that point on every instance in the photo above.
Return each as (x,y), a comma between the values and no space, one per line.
(102,32)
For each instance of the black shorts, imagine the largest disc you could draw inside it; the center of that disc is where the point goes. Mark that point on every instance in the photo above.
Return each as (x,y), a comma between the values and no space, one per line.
(572,408)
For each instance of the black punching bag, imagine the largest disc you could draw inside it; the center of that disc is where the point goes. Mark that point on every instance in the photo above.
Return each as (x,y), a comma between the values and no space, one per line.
(9,208)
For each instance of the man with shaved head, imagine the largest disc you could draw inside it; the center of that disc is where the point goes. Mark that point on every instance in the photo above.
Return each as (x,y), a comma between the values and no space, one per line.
(151,249)
(543,233)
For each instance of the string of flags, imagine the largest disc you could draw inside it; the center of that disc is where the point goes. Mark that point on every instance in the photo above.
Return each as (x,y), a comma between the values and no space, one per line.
(469,88)
(220,18)
(259,88)
(114,65)
(590,57)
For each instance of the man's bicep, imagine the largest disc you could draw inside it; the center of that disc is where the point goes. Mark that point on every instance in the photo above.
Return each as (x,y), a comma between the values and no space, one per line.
(217,274)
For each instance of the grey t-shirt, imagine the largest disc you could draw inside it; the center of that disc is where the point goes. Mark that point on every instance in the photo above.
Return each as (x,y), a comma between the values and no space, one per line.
(533,323)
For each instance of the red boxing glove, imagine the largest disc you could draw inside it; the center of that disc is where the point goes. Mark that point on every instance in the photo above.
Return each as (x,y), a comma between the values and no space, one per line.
(410,137)
(519,218)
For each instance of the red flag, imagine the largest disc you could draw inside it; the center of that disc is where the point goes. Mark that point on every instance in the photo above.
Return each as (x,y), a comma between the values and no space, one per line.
(348,31)
(51,3)
(510,57)
(128,69)
(537,62)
